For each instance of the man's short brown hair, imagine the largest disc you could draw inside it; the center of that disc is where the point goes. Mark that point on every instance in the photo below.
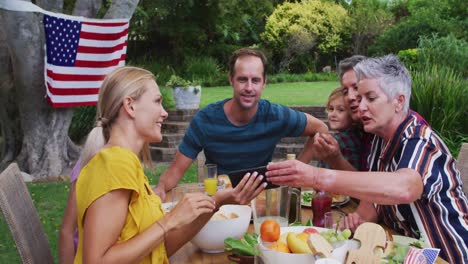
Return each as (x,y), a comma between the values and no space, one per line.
(348,64)
(247,52)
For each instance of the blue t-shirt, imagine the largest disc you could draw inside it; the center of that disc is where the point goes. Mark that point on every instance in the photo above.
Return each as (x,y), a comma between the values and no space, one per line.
(234,147)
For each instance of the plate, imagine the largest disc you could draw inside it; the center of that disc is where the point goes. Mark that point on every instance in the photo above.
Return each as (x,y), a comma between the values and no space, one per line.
(338,200)
(342,201)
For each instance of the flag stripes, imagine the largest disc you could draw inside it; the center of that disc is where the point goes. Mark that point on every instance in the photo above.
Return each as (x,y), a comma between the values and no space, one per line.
(79,54)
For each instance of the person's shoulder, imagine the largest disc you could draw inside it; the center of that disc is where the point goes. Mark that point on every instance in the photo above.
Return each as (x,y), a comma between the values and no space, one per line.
(266,105)
(414,128)
(115,158)
(211,109)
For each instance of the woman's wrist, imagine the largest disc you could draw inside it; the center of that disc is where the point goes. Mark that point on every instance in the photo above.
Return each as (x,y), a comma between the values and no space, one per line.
(220,198)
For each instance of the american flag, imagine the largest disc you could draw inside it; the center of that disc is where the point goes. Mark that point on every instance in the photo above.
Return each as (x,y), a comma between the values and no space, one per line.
(421,256)
(79,54)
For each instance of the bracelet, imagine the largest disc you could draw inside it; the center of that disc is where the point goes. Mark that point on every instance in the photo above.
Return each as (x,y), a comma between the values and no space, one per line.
(164,229)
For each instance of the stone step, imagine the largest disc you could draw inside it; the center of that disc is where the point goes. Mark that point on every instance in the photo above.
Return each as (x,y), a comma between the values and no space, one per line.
(181,115)
(159,154)
(175,127)
(169,141)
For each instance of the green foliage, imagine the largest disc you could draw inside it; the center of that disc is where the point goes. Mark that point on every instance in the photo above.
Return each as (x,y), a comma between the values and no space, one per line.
(305,77)
(168,100)
(159,67)
(185,28)
(369,19)
(409,57)
(439,95)
(421,18)
(444,51)
(84,118)
(299,29)
(202,68)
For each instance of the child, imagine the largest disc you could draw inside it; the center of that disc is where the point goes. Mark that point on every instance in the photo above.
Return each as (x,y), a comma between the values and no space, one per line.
(339,119)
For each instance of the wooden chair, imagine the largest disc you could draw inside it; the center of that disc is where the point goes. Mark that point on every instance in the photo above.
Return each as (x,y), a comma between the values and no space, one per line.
(22,219)
(462,164)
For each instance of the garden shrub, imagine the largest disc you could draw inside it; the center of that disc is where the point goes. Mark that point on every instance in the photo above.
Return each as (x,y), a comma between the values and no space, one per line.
(305,77)
(298,29)
(409,57)
(201,68)
(439,94)
(444,51)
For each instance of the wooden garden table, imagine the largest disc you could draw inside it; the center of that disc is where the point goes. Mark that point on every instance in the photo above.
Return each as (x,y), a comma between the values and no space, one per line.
(193,255)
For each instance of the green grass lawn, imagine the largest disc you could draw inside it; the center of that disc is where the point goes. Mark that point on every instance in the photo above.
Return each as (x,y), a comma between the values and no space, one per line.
(50,198)
(291,94)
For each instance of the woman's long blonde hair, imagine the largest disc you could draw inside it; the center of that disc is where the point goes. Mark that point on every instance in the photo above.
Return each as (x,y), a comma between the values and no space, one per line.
(122,82)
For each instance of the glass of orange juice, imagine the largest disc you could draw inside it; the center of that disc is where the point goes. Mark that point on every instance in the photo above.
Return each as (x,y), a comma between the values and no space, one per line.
(211,179)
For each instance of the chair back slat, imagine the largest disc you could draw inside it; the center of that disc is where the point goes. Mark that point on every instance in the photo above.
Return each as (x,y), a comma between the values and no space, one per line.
(22,218)
(462,164)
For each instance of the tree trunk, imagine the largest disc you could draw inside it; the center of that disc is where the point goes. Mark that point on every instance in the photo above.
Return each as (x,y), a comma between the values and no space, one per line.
(46,148)
(8,127)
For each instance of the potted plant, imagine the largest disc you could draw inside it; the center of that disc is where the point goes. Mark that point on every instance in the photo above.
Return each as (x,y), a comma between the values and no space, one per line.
(186,93)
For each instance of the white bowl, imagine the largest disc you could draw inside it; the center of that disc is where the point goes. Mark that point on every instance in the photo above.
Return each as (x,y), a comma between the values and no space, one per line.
(273,257)
(211,237)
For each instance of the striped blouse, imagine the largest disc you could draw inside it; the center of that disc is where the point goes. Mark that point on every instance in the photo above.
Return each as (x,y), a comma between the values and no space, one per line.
(440,215)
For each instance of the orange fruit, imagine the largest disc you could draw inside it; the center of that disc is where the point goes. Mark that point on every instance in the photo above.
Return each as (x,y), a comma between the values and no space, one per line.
(279,247)
(270,231)
(303,236)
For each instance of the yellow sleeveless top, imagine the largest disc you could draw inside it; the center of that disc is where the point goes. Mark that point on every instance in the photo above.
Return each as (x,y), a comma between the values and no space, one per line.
(118,168)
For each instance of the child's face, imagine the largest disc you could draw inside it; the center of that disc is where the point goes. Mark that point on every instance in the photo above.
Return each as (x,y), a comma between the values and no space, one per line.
(338,115)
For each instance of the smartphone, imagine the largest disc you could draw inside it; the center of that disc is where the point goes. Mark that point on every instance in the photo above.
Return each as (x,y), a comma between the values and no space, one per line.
(236,176)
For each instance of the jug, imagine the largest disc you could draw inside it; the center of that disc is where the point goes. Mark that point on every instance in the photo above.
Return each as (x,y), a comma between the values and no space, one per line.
(274,204)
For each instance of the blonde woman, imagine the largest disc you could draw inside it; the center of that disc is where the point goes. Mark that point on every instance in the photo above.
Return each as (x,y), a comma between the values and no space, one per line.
(120,219)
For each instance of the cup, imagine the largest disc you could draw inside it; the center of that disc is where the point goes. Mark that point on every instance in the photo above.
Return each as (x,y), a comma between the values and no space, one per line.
(177,193)
(334,219)
(211,179)
(274,204)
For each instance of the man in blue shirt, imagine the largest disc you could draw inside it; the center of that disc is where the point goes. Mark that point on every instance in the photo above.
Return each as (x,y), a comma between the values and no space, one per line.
(240,132)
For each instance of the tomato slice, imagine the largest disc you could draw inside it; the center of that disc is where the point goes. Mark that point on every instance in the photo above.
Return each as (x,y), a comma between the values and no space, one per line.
(310,230)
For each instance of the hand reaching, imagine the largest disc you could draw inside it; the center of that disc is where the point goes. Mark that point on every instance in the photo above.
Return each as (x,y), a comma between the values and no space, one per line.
(191,207)
(325,147)
(247,189)
(352,221)
(292,173)
(159,191)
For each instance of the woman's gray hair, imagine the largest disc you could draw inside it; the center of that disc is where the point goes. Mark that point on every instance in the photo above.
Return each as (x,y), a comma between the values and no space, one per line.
(392,75)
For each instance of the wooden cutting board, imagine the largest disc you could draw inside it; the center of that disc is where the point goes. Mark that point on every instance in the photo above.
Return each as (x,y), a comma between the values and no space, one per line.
(371,236)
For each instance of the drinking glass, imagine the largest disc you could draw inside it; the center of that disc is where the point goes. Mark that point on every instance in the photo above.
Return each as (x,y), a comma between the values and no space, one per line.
(177,193)
(334,219)
(211,179)
(274,204)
